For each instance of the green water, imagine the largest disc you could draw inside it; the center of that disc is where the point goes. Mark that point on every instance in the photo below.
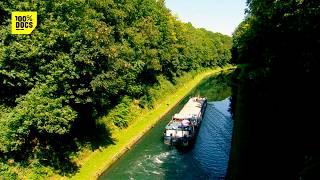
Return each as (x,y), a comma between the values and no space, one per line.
(151,159)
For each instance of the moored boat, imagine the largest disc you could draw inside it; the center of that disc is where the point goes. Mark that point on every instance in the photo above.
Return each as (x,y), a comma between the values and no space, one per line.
(183,127)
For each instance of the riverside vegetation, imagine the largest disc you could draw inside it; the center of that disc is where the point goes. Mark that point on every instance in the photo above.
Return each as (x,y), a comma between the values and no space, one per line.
(275,91)
(88,59)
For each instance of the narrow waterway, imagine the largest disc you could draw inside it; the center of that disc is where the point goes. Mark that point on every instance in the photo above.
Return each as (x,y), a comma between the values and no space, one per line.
(207,159)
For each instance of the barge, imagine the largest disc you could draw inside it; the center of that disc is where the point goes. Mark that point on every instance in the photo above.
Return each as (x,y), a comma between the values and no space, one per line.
(183,127)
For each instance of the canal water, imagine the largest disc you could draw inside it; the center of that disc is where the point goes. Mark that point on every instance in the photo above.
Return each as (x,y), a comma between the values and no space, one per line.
(207,159)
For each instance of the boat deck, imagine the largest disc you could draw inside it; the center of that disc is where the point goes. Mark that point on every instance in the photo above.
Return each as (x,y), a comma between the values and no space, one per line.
(191,109)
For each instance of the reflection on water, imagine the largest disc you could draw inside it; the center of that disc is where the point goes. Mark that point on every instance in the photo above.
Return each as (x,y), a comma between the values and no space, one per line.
(207,159)
(214,140)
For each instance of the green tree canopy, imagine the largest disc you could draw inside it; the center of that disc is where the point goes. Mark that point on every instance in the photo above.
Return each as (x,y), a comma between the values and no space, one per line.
(83,58)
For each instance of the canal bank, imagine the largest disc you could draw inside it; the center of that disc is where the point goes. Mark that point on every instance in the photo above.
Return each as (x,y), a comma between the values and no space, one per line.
(100,160)
(208,158)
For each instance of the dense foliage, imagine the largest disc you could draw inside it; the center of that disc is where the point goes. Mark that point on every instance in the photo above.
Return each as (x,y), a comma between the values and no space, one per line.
(84,58)
(276,92)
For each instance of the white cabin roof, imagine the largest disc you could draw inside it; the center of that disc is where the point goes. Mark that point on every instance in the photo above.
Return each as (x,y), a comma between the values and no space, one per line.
(191,109)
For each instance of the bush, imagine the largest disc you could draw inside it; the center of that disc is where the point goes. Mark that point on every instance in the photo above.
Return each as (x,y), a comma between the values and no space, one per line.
(6,172)
(36,116)
(123,113)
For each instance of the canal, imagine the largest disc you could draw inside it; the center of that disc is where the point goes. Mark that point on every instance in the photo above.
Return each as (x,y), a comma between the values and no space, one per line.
(207,159)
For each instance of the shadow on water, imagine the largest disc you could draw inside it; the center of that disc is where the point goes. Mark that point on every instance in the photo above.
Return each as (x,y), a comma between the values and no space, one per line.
(207,158)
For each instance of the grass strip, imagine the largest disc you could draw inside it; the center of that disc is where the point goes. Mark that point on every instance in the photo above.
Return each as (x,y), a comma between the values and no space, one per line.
(101,159)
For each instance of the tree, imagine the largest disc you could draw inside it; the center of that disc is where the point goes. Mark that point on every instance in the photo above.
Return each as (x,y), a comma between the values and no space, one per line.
(85,58)
(274,91)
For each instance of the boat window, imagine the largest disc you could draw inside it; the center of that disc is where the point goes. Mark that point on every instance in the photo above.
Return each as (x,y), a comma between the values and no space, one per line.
(169,132)
(179,134)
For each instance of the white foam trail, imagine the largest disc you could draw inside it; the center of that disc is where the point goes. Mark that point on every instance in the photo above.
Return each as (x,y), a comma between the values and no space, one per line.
(155,172)
(157,160)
